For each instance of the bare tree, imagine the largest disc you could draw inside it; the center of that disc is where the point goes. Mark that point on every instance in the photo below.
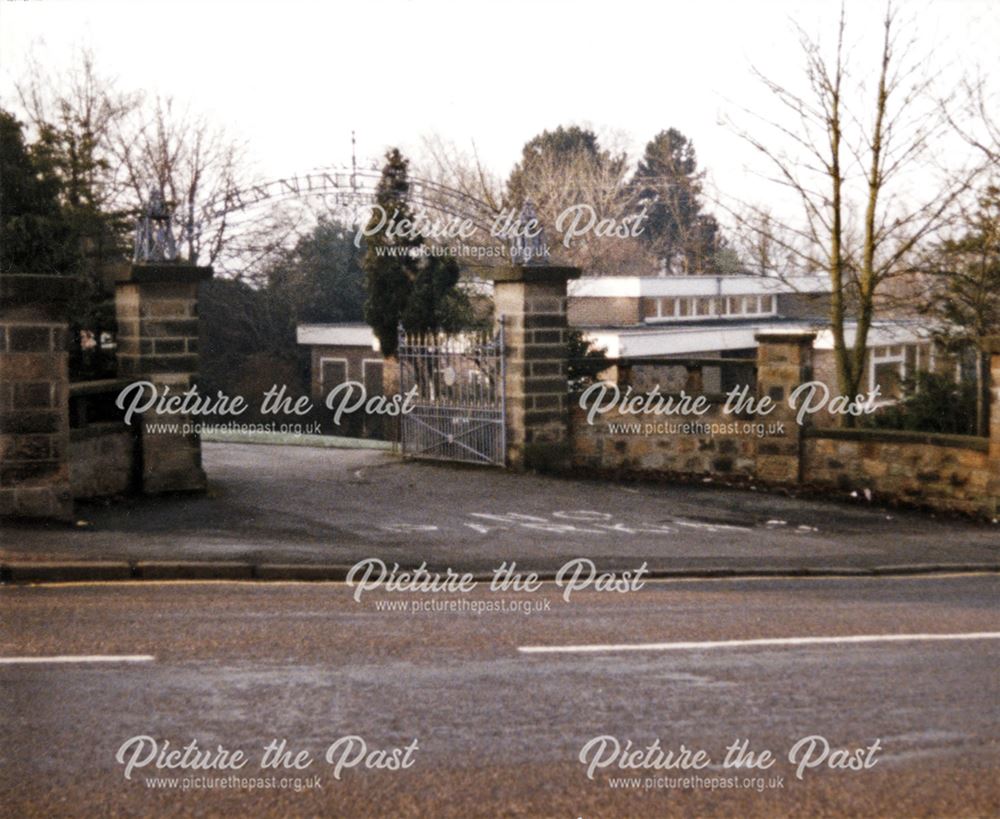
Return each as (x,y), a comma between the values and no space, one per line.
(198,165)
(444,163)
(976,120)
(81,109)
(583,184)
(555,182)
(118,145)
(863,164)
(766,247)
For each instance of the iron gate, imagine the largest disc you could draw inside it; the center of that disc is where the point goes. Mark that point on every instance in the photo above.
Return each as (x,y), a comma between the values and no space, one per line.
(458,412)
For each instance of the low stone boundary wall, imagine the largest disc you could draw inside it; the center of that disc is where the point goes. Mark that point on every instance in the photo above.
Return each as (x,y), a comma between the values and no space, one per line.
(950,472)
(102,460)
(104,452)
(953,473)
(60,441)
(714,444)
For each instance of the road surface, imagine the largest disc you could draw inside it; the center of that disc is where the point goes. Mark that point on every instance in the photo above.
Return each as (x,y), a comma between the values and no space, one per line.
(499,730)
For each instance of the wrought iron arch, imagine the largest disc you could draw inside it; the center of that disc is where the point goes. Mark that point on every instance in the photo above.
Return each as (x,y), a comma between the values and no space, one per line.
(353,186)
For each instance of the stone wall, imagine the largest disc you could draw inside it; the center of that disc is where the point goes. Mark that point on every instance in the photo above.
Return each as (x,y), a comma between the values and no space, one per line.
(784,361)
(949,472)
(34,403)
(944,472)
(105,455)
(44,463)
(157,308)
(102,460)
(712,445)
(531,301)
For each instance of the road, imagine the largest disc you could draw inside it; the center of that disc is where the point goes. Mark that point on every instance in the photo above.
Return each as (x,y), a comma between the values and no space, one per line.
(499,730)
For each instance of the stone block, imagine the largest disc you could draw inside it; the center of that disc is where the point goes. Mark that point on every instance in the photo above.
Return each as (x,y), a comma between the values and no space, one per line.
(33,394)
(170,346)
(29,339)
(167,308)
(167,328)
(22,366)
(33,421)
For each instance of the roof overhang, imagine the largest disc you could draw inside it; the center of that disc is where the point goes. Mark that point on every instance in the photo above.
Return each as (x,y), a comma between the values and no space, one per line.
(336,335)
(658,340)
(653,286)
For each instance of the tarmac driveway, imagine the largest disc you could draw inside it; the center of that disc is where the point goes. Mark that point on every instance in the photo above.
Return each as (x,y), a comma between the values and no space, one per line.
(291,504)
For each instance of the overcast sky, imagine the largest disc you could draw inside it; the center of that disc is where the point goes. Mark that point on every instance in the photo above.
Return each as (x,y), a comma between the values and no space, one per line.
(294,79)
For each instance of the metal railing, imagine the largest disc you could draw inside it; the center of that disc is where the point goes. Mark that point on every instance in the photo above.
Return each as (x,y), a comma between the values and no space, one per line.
(459,406)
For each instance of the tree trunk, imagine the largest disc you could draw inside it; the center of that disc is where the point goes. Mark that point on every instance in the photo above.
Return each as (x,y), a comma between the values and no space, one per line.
(982,394)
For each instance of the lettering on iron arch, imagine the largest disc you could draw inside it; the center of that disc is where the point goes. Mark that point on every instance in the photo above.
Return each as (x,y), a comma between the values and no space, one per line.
(346,187)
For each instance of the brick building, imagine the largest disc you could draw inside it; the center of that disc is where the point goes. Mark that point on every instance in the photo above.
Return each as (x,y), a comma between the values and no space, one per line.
(339,353)
(720,316)
(683,317)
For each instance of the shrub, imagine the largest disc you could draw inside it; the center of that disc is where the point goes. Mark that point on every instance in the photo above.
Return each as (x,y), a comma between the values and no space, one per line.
(931,402)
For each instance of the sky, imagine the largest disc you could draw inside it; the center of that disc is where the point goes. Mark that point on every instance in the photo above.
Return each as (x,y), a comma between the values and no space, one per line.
(294,79)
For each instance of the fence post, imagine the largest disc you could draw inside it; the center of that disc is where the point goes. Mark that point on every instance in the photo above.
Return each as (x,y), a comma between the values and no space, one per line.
(532,301)
(158,342)
(34,398)
(992,347)
(784,361)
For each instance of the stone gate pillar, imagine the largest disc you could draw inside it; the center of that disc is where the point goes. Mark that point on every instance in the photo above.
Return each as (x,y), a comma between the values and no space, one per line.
(531,299)
(156,304)
(34,398)
(993,484)
(784,361)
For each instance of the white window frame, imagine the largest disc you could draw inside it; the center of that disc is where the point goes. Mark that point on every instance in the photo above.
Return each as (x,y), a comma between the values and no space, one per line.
(692,302)
(322,381)
(889,358)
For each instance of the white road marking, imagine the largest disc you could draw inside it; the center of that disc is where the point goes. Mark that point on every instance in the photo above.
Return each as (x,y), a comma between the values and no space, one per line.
(768,641)
(79,658)
(718,581)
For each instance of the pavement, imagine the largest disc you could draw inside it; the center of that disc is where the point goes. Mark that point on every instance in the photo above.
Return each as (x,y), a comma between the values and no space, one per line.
(499,730)
(285,512)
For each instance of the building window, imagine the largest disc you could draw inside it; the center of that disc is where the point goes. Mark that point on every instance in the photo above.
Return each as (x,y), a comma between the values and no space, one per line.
(372,376)
(332,371)
(888,376)
(682,307)
(888,369)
